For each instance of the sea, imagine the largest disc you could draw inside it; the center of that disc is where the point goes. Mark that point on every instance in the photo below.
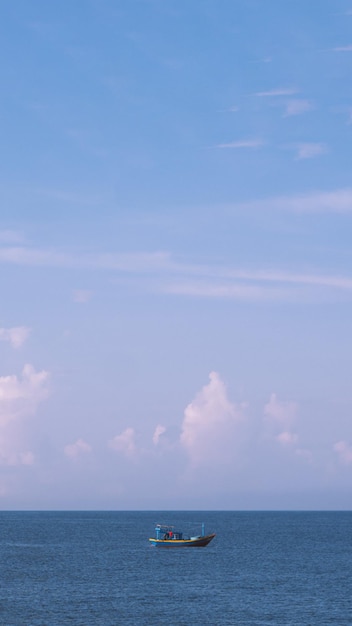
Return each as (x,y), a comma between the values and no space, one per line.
(98,569)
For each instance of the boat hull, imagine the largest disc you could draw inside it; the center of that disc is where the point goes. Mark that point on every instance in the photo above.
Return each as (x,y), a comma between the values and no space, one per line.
(193,542)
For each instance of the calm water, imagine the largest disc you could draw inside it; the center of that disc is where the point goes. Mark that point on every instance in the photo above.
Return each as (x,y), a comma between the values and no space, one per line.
(98,568)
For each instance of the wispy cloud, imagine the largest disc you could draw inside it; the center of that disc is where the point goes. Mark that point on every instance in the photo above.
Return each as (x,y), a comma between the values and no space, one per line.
(11,236)
(232,109)
(309,150)
(41,257)
(168,275)
(297,107)
(225,290)
(276,93)
(242,143)
(343,48)
(82,296)
(336,201)
(16,336)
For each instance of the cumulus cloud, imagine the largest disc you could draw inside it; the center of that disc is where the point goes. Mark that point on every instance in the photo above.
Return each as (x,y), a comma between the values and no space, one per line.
(280,416)
(73,450)
(344,452)
(287,438)
(16,336)
(280,413)
(19,399)
(159,431)
(21,396)
(209,424)
(124,443)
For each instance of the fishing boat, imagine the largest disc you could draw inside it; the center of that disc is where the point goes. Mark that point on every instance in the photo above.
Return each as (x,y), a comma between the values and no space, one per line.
(167,537)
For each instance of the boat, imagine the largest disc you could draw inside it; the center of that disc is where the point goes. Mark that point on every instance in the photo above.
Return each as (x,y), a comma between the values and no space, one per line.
(167,537)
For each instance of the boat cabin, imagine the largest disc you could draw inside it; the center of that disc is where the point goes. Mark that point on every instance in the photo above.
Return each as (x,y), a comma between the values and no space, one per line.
(167,533)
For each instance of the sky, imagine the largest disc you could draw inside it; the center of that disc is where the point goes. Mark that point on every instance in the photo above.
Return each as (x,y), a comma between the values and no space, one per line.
(175,254)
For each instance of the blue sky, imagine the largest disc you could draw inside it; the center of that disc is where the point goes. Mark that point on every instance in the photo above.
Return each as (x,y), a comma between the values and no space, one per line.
(175,250)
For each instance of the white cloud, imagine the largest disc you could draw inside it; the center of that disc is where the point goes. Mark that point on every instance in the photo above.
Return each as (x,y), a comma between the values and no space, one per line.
(282,414)
(305,454)
(343,48)
(309,150)
(231,291)
(73,450)
(82,296)
(16,335)
(11,236)
(279,418)
(336,201)
(209,424)
(124,443)
(159,431)
(125,262)
(297,107)
(287,438)
(19,398)
(344,452)
(232,109)
(242,143)
(274,93)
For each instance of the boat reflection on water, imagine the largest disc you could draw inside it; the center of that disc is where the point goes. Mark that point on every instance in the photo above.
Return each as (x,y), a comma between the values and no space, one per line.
(167,537)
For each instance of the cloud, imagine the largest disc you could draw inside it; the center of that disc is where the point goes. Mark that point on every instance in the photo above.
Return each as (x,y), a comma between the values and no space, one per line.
(256,285)
(19,399)
(297,107)
(309,150)
(159,431)
(73,450)
(124,443)
(278,92)
(287,438)
(21,396)
(344,452)
(232,109)
(10,236)
(172,276)
(343,48)
(129,262)
(222,290)
(305,454)
(280,416)
(242,143)
(209,424)
(336,201)
(16,335)
(82,296)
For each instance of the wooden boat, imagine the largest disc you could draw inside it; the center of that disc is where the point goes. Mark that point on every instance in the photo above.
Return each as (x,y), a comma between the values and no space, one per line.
(167,537)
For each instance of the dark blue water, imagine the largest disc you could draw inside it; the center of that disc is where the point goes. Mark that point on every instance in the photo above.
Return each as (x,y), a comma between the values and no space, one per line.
(98,569)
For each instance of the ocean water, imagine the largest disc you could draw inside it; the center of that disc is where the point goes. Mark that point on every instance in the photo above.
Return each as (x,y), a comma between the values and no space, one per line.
(97,568)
